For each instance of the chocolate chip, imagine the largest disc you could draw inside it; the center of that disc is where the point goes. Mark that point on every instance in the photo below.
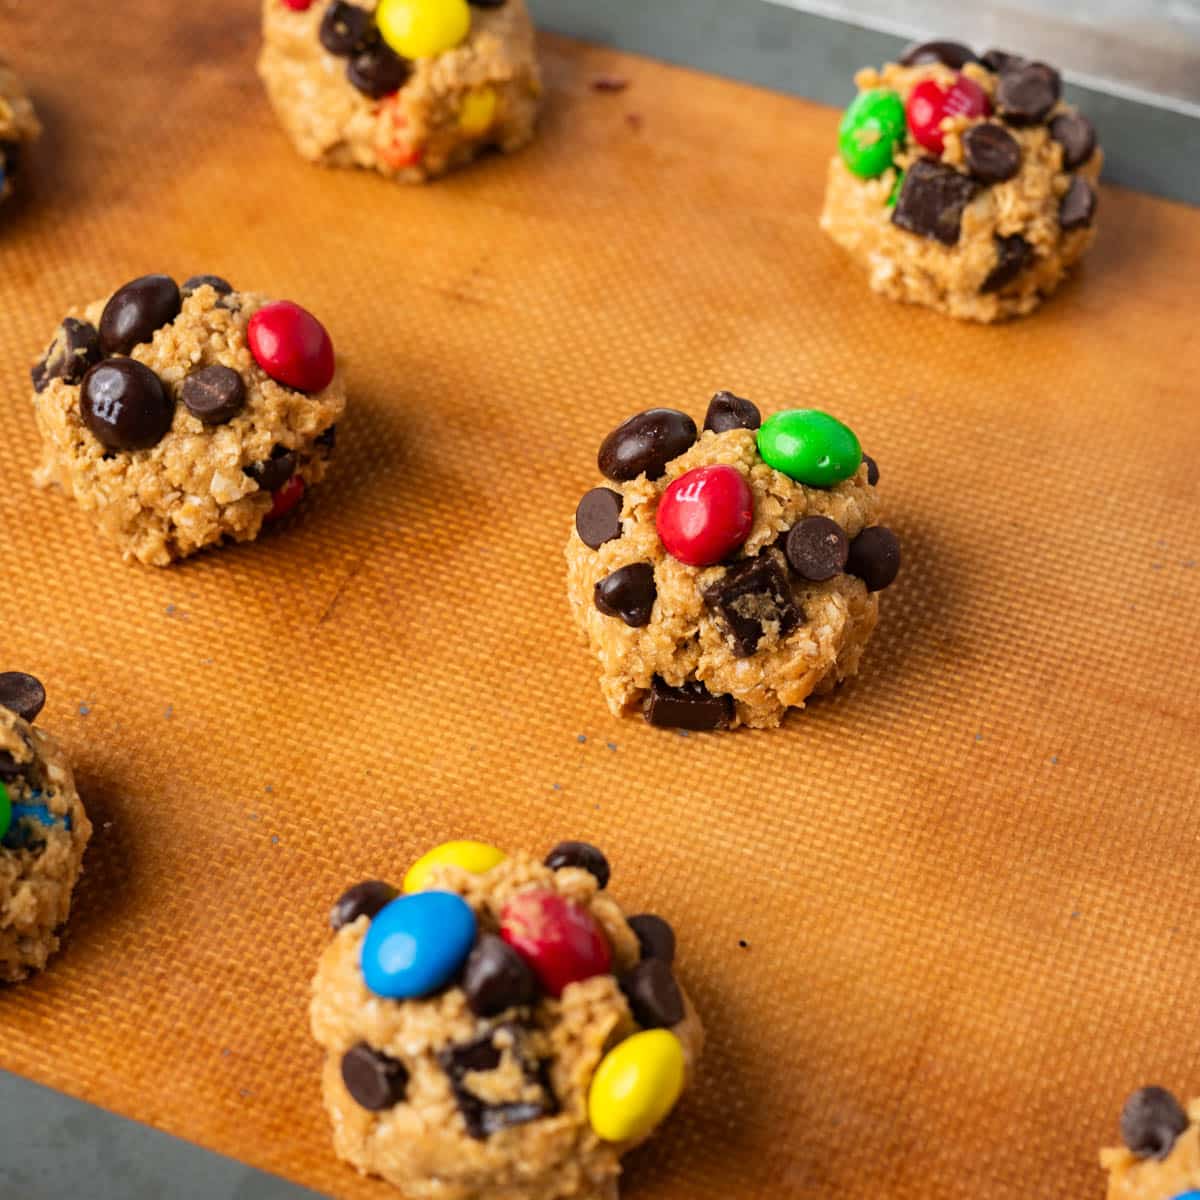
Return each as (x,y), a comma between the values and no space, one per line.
(1013,255)
(343,28)
(872,470)
(376,70)
(11,769)
(374,1080)
(221,286)
(125,405)
(10,159)
(580,854)
(22,694)
(362,900)
(932,199)
(752,596)
(1151,1121)
(997,60)
(214,394)
(654,997)
(628,593)
(327,439)
(645,444)
(875,557)
(655,936)
(727,411)
(817,548)
(496,978)
(992,153)
(272,473)
(950,54)
(76,346)
(1027,91)
(1078,207)
(598,517)
(1077,136)
(136,311)
(691,707)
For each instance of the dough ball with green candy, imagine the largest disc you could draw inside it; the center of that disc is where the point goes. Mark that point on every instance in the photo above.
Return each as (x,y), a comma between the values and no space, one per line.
(496,1028)
(721,575)
(43,832)
(963,182)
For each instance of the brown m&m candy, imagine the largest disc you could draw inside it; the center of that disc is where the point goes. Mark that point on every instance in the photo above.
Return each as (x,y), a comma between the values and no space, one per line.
(136,311)
(125,405)
(644,444)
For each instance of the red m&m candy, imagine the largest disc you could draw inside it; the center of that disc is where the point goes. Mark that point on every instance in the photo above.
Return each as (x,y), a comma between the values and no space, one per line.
(705,515)
(930,103)
(291,345)
(285,498)
(298,5)
(560,941)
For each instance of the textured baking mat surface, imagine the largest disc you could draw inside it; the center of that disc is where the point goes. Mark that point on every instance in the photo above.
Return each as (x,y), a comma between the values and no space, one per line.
(938,925)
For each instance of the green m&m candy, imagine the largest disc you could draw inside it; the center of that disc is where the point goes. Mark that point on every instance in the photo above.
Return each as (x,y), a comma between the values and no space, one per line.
(5,811)
(869,131)
(809,446)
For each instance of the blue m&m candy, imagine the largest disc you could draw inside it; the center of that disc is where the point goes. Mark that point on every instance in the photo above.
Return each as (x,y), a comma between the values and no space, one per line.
(1192,1194)
(417,944)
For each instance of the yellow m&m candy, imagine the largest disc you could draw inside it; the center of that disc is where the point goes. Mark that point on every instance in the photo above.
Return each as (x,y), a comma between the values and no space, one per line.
(478,111)
(475,857)
(636,1085)
(423,28)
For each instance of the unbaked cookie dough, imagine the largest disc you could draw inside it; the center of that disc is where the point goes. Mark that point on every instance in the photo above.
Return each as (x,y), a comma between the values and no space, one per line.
(500,1030)
(181,417)
(408,88)
(43,832)
(18,125)
(1160,1158)
(722,577)
(963,183)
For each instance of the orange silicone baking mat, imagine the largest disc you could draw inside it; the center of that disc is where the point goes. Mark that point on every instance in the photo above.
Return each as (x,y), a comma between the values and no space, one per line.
(938,926)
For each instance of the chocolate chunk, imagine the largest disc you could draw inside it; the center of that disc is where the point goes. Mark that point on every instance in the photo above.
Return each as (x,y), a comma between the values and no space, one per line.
(221,286)
(875,557)
(992,153)
(1013,255)
(1077,136)
(376,70)
(691,707)
(628,593)
(214,394)
(1027,91)
(272,473)
(136,311)
(654,997)
(362,900)
(1078,207)
(932,199)
(655,936)
(645,444)
(1151,1121)
(343,28)
(11,769)
(374,1080)
(727,411)
(10,159)
(327,439)
(125,405)
(580,854)
(997,60)
(817,549)
(751,596)
(22,694)
(496,978)
(950,54)
(598,517)
(76,346)
(872,470)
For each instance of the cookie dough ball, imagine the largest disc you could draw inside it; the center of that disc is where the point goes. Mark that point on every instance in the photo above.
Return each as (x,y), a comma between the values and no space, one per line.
(408,88)
(500,1030)
(965,184)
(43,832)
(18,126)
(1160,1158)
(180,417)
(721,577)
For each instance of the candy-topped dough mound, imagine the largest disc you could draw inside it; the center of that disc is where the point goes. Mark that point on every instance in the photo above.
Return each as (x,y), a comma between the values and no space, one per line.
(500,1030)
(408,88)
(722,577)
(18,125)
(963,183)
(182,417)
(1160,1157)
(43,832)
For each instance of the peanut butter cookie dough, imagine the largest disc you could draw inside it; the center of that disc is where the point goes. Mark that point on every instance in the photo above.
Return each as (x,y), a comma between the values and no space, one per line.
(18,126)
(1160,1158)
(721,578)
(963,183)
(43,832)
(408,88)
(501,1030)
(178,418)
